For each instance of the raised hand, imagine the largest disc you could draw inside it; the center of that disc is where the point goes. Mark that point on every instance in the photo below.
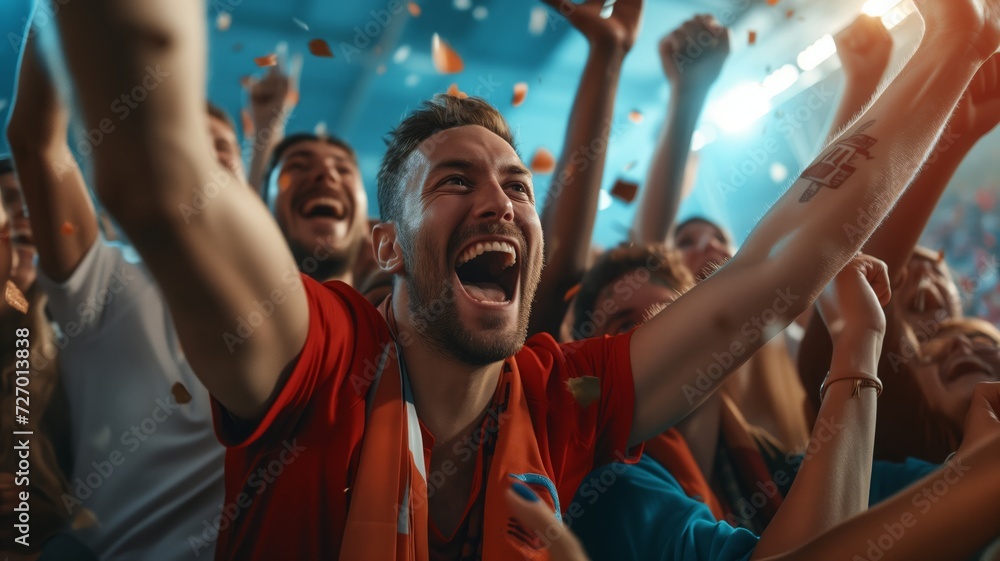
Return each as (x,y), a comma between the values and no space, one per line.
(864,48)
(979,111)
(693,54)
(273,96)
(619,30)
(974,22)
(853,301)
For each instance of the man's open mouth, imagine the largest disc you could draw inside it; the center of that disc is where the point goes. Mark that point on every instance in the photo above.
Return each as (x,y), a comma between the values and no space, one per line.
(324,207)
(488,271)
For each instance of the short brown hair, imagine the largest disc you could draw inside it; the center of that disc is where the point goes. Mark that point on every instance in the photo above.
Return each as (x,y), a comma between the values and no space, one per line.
(665,266)
(434,115)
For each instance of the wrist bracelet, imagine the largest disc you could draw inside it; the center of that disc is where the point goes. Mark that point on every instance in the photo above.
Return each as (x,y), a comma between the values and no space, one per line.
(863,381)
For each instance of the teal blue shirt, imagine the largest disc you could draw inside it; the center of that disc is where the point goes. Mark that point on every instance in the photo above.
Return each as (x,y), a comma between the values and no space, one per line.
(623,512)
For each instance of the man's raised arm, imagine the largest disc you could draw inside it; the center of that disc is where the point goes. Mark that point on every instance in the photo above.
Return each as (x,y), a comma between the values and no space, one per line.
(570,209)
(815,228)
(206,237)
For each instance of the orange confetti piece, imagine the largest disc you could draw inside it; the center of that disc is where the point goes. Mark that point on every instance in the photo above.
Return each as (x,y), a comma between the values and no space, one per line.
(572,292)
(284,182)
(635,116)
(223,21)
(520,92)
(453,91)
(773,2)
(292,97)
(248,128)
(446,60)
(246,81)
(180,393)
(15,298)
(68,229)
(269,60)
(625,190)
(414,9)
(543,161)
(319,47)
(585,389)
(789,14)
(752,39)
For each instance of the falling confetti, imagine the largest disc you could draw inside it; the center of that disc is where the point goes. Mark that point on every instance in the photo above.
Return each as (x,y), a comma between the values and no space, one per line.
(629,165)
(538,21)
(246,82)
(180,393)
(520,92)
(85,518)
(625,190)
(752,39)
(585,389)
(319,47)
(15,298)
(223,21)
(446,60)
(635,116)
(790,14)
(480,13)
(301,23)
(68,229)
(414,9)
(292,98)
(285,181)
(268,60)
(543,161)
(453,91)
(773,2)
(572,292)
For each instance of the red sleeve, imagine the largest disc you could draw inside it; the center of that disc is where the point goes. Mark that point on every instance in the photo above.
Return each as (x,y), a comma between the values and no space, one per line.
(343,329)
(609,359)
(602,428)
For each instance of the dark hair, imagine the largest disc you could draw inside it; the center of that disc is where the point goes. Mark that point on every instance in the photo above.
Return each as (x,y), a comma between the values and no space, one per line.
(298,137)
(220,114)
(665,266)
(434,115)
(6,164)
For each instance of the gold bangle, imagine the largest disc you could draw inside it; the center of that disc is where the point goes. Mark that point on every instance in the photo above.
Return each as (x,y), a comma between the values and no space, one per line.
(863,381)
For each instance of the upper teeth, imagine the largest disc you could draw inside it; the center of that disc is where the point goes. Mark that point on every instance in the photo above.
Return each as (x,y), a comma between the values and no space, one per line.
(480,248)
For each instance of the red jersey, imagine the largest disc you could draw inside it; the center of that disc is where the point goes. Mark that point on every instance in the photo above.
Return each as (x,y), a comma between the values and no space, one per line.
(288,483)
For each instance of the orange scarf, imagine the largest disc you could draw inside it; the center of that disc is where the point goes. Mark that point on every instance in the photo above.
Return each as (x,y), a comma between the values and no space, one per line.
(378,528)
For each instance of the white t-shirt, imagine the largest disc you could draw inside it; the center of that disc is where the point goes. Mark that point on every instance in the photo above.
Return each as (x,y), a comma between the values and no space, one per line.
(146,464)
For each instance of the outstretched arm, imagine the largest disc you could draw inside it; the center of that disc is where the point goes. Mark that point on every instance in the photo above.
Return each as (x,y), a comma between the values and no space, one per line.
(832,484)
(571,203)
(864,49)
(690,79)
(206,237)
(976,115)
(815,229)
(62,216)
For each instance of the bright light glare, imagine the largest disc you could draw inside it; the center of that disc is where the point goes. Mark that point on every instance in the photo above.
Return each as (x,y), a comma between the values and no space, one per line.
(878,8)
(817,53)
(737,110)
(780,80)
